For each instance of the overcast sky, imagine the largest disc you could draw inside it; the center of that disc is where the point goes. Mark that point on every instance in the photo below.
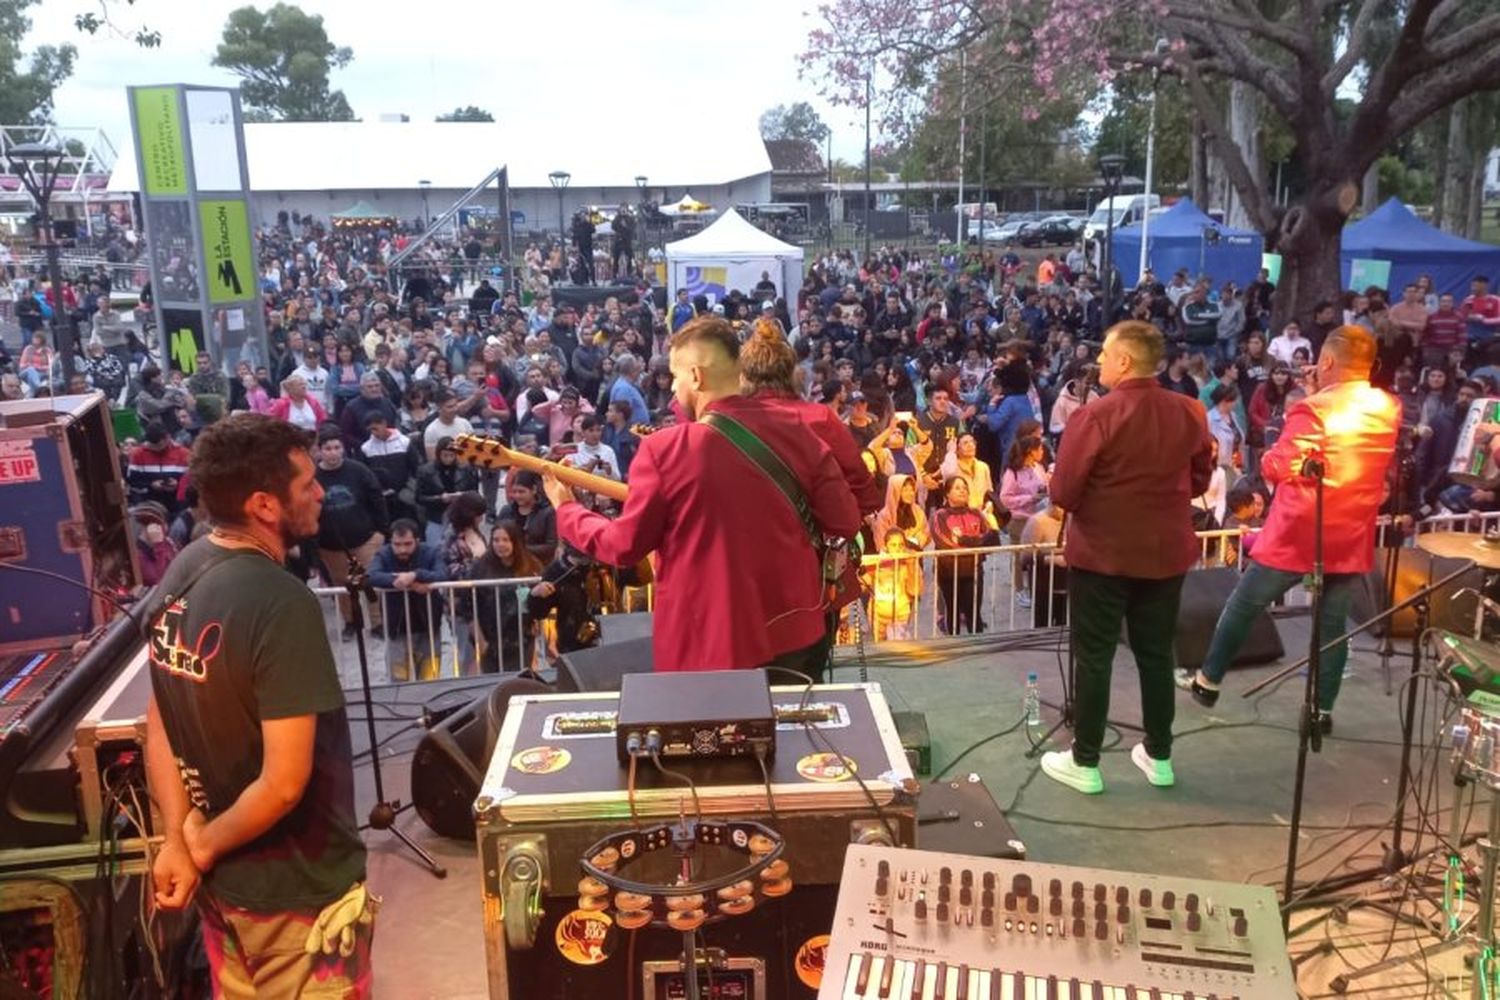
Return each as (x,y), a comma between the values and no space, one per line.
(558,72)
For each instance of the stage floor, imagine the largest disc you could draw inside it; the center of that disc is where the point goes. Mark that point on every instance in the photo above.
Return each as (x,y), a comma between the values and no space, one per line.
(1226,818)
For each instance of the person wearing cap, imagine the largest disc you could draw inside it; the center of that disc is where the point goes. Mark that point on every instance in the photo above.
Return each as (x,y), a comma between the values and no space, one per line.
(356,414)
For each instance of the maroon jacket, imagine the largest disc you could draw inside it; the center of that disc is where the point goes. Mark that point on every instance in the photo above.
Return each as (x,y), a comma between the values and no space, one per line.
(1126,474)
(737,582)
(835,434)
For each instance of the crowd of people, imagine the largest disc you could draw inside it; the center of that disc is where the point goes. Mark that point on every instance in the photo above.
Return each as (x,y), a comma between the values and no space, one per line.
(956,376)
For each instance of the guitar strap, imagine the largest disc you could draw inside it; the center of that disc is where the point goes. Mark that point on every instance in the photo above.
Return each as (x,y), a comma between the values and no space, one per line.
(771,465)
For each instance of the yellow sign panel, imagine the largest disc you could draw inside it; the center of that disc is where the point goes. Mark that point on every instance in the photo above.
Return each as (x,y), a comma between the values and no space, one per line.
(226,248)
(158,125)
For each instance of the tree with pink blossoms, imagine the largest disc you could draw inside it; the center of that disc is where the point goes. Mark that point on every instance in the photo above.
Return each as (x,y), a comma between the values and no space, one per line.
(1401,61)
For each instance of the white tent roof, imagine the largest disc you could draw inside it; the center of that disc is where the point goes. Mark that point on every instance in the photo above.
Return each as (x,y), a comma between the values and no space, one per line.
(362,156)
(731,235)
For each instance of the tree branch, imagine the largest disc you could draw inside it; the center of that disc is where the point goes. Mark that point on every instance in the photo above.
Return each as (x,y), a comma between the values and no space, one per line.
(1245,65)
(1439,89)
(1245,183)
(1259,26)
(1459,43)
(1355,51)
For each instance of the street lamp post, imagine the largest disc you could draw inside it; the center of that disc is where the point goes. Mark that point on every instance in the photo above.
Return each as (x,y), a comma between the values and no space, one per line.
(559,179)
(426,208)
(1161,48)
(37,165)
(640,185)
(1112,169)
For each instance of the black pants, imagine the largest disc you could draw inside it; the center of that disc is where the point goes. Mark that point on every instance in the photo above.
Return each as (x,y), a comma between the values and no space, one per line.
(962,593)
(810,660)
(1149,609)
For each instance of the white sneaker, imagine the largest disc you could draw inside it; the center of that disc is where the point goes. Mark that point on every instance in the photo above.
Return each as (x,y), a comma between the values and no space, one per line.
(1184,678)
(1023,599)
(1060,766)
(1158,772)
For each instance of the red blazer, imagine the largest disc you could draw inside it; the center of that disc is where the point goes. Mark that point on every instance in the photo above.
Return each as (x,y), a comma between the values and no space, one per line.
(1127,471)
(1354,426)
(737,582)
(833,432)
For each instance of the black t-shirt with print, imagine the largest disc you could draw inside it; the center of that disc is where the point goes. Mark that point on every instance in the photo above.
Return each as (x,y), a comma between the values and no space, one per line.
(246,643)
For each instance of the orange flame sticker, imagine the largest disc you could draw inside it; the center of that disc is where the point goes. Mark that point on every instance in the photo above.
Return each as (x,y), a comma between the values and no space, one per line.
(811,958)
(585,937)
(541,760)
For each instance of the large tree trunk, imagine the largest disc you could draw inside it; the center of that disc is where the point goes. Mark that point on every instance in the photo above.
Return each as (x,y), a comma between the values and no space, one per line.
(1308,242)
(1245,106)
(1369,198)
(1474,223)
(1440,169)
(1460,166)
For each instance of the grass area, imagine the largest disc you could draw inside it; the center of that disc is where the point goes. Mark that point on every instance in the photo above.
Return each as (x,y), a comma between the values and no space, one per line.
(1489,227)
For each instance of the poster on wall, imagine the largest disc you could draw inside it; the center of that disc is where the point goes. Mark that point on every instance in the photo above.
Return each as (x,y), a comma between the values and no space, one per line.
(1364,273)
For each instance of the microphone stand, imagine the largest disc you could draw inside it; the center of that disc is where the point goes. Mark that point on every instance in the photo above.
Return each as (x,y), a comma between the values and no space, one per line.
(384,812)
(1404,471)
(1309,731)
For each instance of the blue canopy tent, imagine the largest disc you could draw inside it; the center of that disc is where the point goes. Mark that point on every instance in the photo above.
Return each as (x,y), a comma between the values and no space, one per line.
(1413,247)
(1183,237)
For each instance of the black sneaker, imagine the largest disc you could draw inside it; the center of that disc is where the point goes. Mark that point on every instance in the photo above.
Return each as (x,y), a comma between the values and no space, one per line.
(377,632)
(1325,722)
(347,634)
(1207,697)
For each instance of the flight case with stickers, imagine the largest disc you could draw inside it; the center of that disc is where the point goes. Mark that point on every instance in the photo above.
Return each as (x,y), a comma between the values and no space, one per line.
(588,886)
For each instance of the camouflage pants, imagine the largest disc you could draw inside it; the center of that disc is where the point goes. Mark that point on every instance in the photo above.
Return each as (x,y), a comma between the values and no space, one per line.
(260,956)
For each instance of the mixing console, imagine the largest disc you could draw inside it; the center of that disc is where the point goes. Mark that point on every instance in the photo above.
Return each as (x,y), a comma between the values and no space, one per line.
(919,925)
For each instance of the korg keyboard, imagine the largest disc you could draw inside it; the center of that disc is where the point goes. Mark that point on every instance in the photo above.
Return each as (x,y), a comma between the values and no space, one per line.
(920,925)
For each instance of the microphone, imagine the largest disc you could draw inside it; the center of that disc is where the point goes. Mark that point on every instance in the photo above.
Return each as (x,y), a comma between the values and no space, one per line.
(1314,465)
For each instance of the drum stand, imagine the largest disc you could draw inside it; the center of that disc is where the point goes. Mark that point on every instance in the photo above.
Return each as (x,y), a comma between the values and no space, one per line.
(1482,939)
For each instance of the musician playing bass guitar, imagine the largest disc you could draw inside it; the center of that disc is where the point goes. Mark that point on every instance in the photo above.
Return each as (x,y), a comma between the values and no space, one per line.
(740,581)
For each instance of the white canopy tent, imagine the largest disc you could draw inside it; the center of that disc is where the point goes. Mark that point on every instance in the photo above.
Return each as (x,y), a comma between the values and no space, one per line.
(731,254)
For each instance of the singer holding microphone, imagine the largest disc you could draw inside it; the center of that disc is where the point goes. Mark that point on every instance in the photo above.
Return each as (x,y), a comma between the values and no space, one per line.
(1346,429)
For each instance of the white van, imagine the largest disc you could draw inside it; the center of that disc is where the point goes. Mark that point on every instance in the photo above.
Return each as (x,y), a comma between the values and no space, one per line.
(1128,209)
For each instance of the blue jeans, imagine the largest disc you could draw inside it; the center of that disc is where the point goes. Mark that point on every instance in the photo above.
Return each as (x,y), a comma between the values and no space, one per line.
(1258,587)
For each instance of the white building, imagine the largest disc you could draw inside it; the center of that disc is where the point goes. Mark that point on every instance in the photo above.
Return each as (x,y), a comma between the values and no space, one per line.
(319,168)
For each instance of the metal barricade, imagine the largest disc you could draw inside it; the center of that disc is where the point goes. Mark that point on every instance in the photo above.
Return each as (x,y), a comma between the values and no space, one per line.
(997,588)
(432,634)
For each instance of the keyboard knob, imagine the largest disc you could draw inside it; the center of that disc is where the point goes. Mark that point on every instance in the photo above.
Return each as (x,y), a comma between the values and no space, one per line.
(920,910)
(1077,890)
(1054,906)
(1169,900)
(1241,926)
(1122,914)
(989,880)
(987,899)
(1021,885)
(1100,891)
(1033,904)
(882,887)
(1079,908)
(1192,902)
(883,869)
(1010,901)
(965,896)
(1101,911)
(946,875)
(1079,928)
(1145,899)
(942,912)
(986,917)
(1122,896)
(1101,930)
(944,893)
(966,877)
(1054,888)
(1194,922)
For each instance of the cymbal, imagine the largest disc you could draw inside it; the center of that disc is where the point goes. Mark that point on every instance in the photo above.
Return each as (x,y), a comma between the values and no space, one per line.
(1461,545)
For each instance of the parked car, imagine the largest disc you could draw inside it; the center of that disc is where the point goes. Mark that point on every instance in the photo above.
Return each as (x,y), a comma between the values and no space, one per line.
(1052,231)
(997,232)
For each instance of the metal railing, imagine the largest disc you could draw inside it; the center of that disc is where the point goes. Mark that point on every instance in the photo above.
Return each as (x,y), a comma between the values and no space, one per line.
(436,633)
(988,589)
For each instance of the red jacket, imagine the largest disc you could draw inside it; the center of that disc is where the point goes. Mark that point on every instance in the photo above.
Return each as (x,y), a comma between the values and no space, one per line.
(281,408)
(737,582)
(833,432)
(1127,471)
(1354,426)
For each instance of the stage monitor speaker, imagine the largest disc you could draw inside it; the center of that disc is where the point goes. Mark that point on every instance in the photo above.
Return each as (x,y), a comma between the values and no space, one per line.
(600,668)
(1204,594)
(451,759)
(1416,569)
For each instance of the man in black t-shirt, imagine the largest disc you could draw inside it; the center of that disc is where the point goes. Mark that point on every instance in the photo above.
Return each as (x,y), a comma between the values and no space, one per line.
(352,526)
(248,754)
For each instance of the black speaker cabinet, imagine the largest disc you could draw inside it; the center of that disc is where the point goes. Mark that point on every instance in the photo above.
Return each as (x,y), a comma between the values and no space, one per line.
(1204,594)
(450,760)
(599,668)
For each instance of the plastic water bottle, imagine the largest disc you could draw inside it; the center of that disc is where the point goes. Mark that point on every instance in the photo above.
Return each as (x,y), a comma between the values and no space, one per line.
(1033,702)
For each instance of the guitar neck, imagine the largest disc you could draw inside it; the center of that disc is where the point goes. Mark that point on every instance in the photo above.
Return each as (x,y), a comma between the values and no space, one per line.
(612,489)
